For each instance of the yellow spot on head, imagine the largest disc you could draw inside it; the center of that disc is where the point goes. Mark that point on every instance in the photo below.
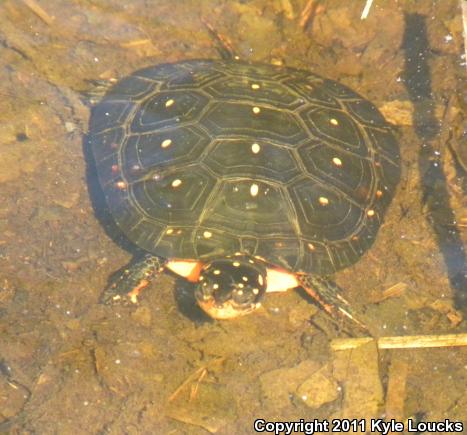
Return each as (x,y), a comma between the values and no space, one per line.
(169,103)
(166,143)
(255,86)
(370,213)
(255,291)
(254,190)
(176,182)
(207,234)
(245,278)
(334,121)
(240,285)
(255,148)
(337,161)
(260,280)
(323,200)
(379,193)
(240,292)
(215,286)
(256,110)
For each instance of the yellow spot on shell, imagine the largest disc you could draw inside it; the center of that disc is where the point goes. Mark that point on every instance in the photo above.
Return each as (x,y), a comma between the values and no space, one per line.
(176,183)
(121,185)
(337,161)
(256,110)
(207,234)
(255,148)
(370,213)
(166,143)
(169,231)
(323,200)
(311,247)
(254,189)
(169,103)
(334,121)
(217,272)
(255,86)
(379,193)
(236,264)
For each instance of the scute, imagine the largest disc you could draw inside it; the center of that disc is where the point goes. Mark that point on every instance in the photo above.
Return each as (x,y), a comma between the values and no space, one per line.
(202,159)
(246,119)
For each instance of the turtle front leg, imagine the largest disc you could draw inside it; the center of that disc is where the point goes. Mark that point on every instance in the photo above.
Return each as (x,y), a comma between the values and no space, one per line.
(126,284)
(329,296)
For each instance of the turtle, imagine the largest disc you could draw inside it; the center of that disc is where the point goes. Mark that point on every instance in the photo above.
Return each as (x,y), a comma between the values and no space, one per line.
(243,178)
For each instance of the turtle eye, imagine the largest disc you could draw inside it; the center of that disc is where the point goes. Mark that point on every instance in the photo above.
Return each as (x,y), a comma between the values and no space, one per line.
(234,286)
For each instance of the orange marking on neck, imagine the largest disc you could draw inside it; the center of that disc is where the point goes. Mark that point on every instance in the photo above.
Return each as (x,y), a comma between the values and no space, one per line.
(133,295)
(189,270)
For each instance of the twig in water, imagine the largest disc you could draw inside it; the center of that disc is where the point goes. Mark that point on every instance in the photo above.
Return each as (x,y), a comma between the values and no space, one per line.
(41,13)
(366,9)
(464,21)
(402,342)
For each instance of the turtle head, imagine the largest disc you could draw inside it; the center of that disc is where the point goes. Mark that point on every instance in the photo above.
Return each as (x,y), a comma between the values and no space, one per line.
(231,287)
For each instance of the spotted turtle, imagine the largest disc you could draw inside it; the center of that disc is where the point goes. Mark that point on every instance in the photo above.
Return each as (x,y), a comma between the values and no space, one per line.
(243,178)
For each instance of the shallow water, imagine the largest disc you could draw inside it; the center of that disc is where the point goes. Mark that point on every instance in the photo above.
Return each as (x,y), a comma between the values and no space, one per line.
(71,365)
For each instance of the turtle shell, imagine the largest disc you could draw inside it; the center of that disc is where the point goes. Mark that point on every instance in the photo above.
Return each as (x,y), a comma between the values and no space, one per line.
(203,159)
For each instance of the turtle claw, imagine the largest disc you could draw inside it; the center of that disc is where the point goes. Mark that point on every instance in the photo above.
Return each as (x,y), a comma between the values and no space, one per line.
(328,295)
(126,285)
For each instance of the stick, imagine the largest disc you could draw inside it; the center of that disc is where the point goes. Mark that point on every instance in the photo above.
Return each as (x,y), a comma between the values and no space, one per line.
(307,12)
(464,21)
(396,391)
(190,378)
(402,342)
(41,13)
(199,373)
(366,9)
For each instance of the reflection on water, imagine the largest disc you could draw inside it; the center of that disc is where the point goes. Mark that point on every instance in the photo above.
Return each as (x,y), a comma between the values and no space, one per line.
(70,365)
